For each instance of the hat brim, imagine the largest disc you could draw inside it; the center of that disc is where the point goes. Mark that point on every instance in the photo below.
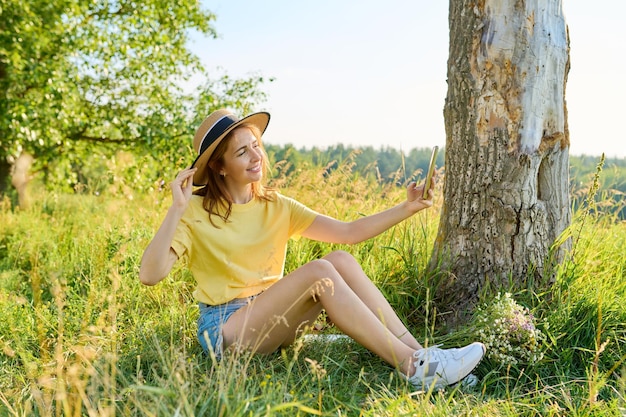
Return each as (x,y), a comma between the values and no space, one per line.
(201,177)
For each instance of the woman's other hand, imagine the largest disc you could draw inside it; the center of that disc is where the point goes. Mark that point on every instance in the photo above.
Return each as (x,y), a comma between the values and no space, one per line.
(415,195)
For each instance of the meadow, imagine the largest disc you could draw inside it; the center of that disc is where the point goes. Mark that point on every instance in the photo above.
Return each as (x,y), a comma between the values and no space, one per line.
(80,336)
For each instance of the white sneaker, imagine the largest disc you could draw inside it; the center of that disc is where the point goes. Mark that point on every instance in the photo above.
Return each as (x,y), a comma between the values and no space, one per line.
(443,367)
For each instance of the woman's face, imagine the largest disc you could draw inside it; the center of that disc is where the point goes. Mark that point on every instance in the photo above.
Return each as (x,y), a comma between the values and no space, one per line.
(243,159)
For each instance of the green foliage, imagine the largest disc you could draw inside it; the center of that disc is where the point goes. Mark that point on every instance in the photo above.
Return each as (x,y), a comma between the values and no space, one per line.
(81,336)
(79,78)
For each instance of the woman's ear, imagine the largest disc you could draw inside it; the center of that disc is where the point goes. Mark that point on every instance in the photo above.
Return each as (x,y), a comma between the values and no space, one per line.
(215,167)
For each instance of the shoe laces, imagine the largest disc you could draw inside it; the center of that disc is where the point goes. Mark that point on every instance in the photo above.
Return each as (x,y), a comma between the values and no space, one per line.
(428,354)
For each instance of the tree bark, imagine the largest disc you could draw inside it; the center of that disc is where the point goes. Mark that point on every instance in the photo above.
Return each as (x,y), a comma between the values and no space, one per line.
(21,177)
(506,191)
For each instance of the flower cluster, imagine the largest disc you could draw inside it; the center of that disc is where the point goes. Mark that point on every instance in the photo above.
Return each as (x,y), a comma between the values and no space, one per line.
(508,331)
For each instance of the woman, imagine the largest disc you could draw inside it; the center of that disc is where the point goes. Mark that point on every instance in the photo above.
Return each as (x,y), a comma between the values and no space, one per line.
(233,232)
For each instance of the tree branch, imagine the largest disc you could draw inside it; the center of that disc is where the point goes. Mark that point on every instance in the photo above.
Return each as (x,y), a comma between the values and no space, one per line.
(126,141)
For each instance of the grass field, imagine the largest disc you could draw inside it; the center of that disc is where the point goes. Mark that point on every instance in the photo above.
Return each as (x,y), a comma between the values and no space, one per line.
(80,335)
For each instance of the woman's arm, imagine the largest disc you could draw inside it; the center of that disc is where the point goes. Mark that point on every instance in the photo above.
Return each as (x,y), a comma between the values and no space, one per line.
(159,257)
(327,229)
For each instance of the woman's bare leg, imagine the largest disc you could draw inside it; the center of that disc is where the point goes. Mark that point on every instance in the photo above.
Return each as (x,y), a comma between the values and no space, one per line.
(355,277)
(273,317)
(352,272)
(306,322)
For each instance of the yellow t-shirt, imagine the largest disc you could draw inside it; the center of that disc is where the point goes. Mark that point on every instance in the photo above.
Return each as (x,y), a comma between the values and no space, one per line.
(245,255)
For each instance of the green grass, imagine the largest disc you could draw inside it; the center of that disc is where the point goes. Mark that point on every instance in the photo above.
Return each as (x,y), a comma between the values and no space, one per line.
(80,335)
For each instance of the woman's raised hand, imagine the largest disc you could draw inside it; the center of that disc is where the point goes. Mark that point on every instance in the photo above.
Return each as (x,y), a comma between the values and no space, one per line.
(182,188)
(415,195)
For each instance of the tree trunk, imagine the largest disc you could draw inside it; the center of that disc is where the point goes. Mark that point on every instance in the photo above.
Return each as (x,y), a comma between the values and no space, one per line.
(506,191)
(21,177)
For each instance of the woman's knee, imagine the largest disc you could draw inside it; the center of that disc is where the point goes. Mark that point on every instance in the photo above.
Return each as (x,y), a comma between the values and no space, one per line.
(341,259)
(321,269)
(321,274)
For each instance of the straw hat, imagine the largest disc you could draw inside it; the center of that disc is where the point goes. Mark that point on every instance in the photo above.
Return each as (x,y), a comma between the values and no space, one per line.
(211,132)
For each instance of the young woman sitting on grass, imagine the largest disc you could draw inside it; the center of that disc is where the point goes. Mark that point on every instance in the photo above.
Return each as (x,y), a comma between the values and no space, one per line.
(233,232)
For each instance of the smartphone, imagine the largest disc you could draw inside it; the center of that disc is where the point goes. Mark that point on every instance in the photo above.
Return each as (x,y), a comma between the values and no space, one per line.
(431,171)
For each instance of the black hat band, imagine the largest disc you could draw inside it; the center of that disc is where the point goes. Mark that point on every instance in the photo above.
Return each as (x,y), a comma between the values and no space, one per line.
(215,132)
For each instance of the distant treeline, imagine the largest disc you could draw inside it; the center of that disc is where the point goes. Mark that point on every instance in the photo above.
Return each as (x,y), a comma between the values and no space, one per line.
(388,164)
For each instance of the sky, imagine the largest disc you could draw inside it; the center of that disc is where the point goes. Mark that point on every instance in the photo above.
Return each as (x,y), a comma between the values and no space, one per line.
(373,73)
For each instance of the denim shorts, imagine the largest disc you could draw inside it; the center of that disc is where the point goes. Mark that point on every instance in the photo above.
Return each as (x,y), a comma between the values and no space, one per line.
(211,321)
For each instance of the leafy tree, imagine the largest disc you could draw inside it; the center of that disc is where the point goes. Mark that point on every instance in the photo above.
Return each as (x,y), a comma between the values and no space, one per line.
(81,77)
